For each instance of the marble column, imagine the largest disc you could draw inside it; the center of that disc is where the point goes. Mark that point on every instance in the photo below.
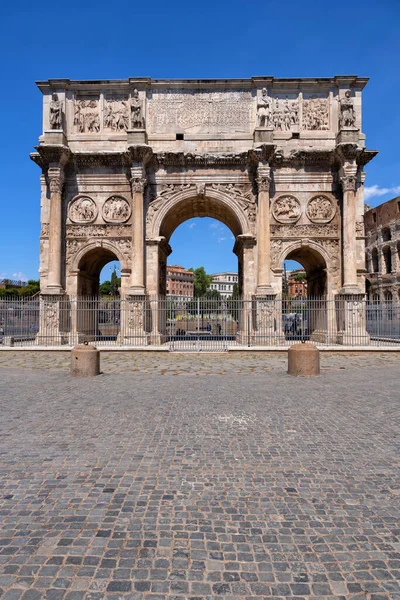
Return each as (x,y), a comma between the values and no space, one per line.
(348,181)
(138,183)
(55,178)
(263,231)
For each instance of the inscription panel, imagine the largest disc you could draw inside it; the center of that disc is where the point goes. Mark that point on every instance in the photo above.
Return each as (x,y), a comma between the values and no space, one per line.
(202,111)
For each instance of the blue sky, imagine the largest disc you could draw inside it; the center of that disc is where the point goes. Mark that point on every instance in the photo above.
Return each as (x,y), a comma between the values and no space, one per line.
(84,40)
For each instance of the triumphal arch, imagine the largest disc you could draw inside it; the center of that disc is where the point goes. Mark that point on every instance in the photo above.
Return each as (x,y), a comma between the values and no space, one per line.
(279,161)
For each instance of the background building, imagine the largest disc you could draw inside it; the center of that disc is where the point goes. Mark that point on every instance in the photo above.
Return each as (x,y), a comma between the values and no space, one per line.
(382,230)
(297,283)
(224,282)
(180,283)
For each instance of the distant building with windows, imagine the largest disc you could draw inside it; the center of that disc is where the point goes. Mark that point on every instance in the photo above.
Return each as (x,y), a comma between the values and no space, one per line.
(224,282)
(180,283)
(297,283)
(382,231)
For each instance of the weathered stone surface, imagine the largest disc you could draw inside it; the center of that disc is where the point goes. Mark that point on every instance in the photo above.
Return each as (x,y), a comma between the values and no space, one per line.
(159,152)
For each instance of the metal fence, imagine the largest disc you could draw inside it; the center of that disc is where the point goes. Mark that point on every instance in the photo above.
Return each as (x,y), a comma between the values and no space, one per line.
(198,324)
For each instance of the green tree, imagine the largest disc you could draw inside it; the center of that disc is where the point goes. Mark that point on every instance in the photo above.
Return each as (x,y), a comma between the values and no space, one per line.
(202,282)
(31,289)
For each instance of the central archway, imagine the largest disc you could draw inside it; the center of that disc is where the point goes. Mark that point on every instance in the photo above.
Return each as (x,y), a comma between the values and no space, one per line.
(166,213)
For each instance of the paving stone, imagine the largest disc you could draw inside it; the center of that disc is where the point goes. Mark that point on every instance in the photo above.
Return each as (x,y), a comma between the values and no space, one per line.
(221,478)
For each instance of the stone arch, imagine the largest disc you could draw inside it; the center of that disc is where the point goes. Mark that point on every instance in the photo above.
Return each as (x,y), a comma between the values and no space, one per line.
(88,261)
(170,210)
(387,259)
(164,215)
(317,262)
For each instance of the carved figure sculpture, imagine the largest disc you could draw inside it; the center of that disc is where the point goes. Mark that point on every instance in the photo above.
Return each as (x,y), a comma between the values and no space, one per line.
(320,209)
(347,116)
(136,111)
(286,209)
(264,109)
(55,116)
(116,210)
(82,210)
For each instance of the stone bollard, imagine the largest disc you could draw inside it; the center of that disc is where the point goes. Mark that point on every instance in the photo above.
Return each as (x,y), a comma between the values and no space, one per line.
(85,361)
(303,360)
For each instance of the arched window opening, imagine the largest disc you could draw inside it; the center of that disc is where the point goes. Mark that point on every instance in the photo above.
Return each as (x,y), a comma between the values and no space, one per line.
(386,234)
(375,262)
(387,257)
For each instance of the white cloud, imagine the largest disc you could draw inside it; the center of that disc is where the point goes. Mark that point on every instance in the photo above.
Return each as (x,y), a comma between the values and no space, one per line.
(221,239)
(191,225)
(375,190)
(19,276)
(215,226)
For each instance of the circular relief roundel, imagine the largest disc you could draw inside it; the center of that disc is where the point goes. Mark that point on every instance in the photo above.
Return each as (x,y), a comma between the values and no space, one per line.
(82,210)
(286,209)
(116,209)
(320,209)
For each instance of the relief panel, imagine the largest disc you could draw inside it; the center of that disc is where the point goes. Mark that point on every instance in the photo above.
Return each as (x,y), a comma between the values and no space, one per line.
(86,115)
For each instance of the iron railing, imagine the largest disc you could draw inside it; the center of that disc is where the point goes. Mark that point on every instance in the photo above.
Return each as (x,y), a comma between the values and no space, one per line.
(198,324)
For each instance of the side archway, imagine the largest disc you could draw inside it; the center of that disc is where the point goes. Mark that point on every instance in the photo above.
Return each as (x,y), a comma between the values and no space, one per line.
(87,262)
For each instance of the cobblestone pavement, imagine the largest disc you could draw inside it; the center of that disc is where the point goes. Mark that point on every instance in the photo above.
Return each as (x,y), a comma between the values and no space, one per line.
(165,363)
(223,485)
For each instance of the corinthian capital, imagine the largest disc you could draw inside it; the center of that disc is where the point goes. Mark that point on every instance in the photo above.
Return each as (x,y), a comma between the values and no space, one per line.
(56,179)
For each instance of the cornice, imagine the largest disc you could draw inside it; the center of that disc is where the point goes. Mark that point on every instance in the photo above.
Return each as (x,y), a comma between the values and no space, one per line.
(47,155)
(254,82)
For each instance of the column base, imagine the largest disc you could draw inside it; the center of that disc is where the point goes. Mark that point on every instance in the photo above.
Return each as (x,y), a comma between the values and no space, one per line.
(53,290)
(133,321)
(352,329)
(265,315)
(53,321)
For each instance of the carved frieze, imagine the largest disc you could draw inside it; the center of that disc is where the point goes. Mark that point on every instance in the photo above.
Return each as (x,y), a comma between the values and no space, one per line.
(316,114)
(116,113)
(82,210)
(116,209)
(308,231)
(98,231)
(201,112)
(320,209)
(286,209)
(86,115)
(172,188)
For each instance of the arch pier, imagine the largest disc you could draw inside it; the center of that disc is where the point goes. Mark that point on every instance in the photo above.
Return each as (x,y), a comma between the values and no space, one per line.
(275,160)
